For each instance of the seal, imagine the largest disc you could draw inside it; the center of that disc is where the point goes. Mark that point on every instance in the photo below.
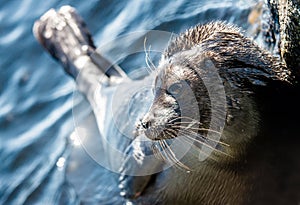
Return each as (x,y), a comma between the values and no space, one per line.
(241,165)
(246,69)
(188,57)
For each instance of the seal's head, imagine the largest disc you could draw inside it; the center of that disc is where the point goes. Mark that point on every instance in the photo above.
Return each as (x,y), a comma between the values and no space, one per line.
(180,97)
(207,81)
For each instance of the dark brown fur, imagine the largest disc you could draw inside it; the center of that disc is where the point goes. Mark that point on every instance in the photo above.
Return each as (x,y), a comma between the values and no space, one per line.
(247,73)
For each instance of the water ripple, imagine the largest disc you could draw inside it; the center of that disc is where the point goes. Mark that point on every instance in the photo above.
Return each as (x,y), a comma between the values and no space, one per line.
(36,96)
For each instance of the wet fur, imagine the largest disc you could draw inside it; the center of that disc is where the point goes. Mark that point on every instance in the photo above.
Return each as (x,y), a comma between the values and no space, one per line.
(247,73)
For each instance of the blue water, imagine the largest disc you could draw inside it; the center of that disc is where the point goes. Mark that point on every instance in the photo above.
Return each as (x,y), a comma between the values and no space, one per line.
(39,164)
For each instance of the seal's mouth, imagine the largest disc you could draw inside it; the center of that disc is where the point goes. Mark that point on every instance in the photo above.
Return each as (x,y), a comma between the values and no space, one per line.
(161,131)
(188,131)
(179,127)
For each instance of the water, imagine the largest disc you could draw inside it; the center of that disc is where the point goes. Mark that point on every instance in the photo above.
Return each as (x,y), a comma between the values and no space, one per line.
(39,162)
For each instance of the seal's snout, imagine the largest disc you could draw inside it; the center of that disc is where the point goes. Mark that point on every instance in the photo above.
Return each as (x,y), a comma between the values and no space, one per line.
(148,126)
(156,123)
(154,128)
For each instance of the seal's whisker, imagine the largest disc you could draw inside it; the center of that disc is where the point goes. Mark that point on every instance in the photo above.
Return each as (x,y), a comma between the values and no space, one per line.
(172,157)
(165,150)
(178,162)
(166,158)
(187,138)
(198,149)
(203,143)
(172,132)
(180,128)
(181,117)
(156,152)
(197,128)
(163,156)
(147,58)
(148,68)
(150,60)
(183,122)
(184,117)
(208,138)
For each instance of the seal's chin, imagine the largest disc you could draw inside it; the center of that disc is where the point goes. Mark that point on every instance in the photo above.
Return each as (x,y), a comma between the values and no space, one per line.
(153,133)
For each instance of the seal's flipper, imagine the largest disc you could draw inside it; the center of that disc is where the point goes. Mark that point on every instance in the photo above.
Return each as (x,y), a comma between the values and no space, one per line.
(65,36)
(138,168)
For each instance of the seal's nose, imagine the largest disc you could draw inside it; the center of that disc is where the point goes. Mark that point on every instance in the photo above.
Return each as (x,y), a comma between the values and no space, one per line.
(147,121)
(146,124)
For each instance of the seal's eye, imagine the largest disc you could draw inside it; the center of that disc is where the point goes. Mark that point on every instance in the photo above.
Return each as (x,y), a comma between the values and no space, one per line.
(175,89)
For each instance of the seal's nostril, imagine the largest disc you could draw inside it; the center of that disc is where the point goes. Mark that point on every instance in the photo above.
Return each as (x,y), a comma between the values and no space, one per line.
(146,125)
